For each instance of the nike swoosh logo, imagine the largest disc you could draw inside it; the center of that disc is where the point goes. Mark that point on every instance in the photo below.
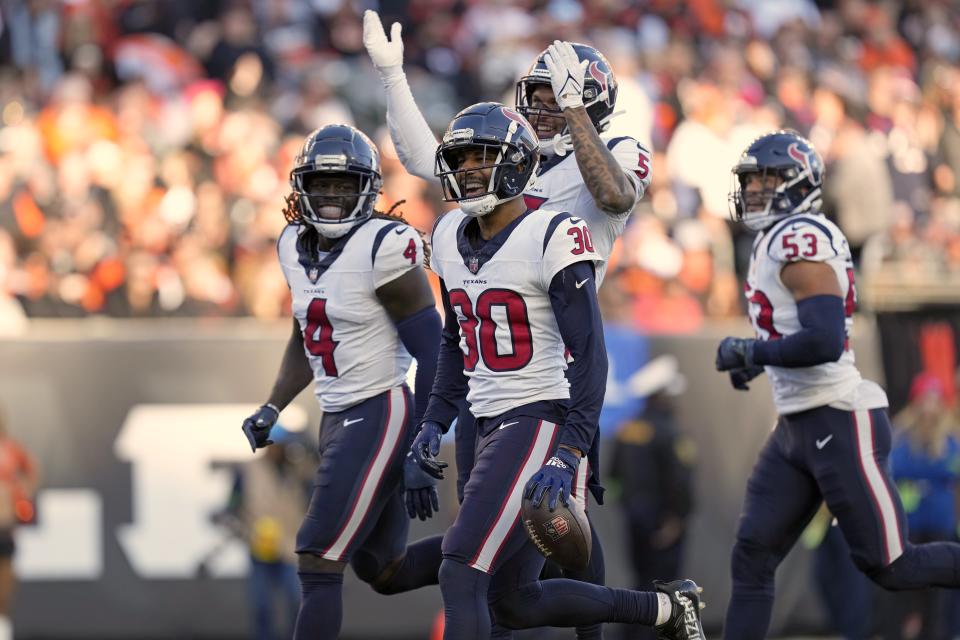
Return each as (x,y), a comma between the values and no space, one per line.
(574,220)
(580,284)
(508,424)
(347,423)
(400,230)
(822,443)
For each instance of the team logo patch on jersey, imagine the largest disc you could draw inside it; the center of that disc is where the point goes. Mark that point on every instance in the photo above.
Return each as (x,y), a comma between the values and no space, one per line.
(473,264)
(557,527)
(313,273)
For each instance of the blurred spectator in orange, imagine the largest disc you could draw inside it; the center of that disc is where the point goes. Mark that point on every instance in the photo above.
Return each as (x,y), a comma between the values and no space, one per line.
(19,478)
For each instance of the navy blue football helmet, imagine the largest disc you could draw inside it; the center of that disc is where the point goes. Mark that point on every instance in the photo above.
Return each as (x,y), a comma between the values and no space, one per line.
(599,88)
(336,151)
(788,176)
(510,148)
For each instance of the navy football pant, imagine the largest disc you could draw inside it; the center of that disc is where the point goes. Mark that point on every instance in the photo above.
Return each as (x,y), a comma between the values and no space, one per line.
(840,457)
(357,512)
(488,558)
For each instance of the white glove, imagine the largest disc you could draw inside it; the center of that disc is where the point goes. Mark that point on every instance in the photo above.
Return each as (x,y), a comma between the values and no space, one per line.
(566,74)
(384,53)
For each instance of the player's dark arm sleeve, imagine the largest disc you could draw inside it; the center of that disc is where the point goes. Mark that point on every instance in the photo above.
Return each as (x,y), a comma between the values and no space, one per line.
(295,373)
(420,335)
(578,318)
(450,383)
(822,338)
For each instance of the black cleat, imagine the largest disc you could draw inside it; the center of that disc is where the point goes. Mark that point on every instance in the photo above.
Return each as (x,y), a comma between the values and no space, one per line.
(684,622)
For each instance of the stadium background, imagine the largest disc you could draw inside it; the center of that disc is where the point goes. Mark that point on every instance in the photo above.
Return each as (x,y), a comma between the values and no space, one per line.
(144,151)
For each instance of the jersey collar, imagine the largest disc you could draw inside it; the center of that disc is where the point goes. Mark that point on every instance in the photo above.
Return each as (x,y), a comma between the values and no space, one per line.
(315,268)
(474,259)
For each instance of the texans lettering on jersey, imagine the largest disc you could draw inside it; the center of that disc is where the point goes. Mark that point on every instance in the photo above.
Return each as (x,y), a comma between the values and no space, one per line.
(350,341)
(512,349)
(773,312)
(560,187)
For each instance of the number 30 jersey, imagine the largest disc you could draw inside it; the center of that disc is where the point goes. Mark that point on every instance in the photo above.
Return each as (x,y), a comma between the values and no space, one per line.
(350,341)
(512,349)
(773,312)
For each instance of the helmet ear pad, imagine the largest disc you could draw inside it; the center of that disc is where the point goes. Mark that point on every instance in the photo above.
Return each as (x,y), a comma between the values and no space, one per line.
(514,179)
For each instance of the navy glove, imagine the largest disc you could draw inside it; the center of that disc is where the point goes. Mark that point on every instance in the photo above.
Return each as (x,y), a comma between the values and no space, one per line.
(741,376)
(257,427)
(421,490)
(426,448)
(735,353)
(554,480)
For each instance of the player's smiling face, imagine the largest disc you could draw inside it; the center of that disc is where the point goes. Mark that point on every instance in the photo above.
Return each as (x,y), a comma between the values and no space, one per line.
(332,196)
(475,164)
(546,126)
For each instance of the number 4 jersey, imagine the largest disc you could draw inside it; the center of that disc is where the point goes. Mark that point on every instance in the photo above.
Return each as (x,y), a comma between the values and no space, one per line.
(773,312)
(349,339)
(513,352)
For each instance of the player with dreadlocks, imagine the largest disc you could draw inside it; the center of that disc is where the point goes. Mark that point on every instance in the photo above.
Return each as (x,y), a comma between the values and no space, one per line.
(362,309)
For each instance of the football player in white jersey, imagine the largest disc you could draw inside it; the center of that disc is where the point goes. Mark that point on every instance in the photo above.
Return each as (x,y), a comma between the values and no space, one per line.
(362,308)
(832,438)
(517,288)
(569,95)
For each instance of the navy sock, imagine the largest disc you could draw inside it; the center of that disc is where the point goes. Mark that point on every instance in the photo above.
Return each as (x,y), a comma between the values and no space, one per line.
(321,606)
(466,616)
(568,603)
(934,564)
(420,567)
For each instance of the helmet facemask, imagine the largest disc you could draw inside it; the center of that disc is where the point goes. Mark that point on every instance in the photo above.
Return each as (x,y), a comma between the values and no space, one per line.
(498,175)
(334,201)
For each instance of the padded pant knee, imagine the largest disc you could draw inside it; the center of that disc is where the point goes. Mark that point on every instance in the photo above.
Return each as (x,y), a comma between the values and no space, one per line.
(464,591)
(753,567)
(935,564)
(512,610)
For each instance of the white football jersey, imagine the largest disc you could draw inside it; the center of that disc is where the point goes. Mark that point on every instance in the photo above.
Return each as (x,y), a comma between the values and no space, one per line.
(349,339)
(773,312)
(560,187)
(513,351)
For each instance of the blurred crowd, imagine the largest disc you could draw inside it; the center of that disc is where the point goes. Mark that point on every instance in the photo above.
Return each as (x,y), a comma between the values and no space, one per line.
(145,145)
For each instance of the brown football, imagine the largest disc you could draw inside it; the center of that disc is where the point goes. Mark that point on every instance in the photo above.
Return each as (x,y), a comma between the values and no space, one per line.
(562,535)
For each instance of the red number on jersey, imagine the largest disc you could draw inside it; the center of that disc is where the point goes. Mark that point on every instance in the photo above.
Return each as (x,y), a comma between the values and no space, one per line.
(791,245)
(582,241)
(811,245)
(765,316)
(644,166)
(318,336)
(468,326)
(517,326)
(410,253)
(850,304)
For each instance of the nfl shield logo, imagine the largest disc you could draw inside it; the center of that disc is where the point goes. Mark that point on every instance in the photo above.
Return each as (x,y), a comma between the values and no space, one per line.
(557,527)
(314,274)
(473,264)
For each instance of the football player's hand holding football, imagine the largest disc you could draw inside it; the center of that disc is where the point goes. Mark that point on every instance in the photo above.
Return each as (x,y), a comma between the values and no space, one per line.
(257,426)
(421,490)
(554,481)
(735,353)
(426,448)
(741,376)
(384,53)
(566,74)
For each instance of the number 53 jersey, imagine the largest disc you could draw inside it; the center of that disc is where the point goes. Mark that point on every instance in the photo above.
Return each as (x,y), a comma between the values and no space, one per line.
(350,341)
(513,353)
(773,313)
